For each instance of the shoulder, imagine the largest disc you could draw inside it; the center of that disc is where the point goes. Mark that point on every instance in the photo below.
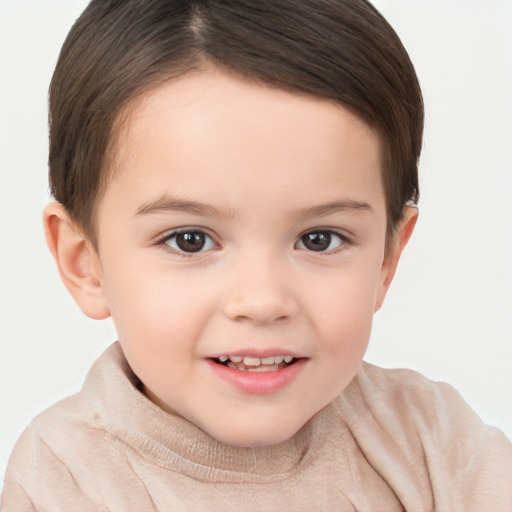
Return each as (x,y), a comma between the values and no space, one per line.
(408,397)
(78,422)
(52,458)
(408,400)
(39,464)
(427,433)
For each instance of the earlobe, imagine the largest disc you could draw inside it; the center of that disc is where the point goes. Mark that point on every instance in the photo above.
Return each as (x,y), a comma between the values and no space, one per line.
(76,260)
(400,238)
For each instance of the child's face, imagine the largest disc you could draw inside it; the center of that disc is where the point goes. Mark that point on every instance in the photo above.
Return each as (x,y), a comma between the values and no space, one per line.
(243,221)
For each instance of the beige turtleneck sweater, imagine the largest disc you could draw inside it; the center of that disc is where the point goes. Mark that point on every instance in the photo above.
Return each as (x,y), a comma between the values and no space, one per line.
(392,441)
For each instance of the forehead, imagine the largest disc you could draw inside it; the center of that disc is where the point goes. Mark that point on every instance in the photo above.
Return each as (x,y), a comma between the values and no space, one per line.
(209,132)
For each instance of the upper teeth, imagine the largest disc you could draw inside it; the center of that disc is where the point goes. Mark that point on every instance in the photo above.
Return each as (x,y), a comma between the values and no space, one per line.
(256,361)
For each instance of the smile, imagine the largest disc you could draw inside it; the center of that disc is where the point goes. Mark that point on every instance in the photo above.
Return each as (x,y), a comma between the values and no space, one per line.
(256,364)
(257,375)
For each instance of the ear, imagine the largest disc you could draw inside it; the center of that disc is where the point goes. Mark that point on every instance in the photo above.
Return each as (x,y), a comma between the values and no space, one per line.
(400,238)
(77,261)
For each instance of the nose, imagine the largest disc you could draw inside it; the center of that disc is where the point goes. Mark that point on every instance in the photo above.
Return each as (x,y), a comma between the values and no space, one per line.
(261,292)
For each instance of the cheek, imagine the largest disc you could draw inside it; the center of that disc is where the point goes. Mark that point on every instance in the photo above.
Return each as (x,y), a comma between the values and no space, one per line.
(343,313)
(159,314)
(159,323)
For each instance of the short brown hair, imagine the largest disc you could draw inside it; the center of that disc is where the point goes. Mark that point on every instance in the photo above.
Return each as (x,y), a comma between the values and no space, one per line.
(343,50)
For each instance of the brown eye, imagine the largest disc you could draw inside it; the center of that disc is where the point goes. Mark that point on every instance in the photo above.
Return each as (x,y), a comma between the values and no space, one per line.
(320,240)
(190,241)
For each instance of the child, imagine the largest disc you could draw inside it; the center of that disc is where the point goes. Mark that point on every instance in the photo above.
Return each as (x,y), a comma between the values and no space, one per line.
(235,185)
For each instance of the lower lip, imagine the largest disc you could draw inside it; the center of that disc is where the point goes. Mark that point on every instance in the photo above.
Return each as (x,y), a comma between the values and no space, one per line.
(258,383)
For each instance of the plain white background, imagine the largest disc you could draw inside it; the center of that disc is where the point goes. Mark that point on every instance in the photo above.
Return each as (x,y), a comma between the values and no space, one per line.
(448,313)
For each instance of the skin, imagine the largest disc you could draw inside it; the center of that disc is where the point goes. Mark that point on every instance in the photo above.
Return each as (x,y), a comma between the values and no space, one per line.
(253,168)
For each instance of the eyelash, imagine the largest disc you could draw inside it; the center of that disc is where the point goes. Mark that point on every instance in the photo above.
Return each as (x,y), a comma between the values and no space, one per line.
(164,241)
(344,240)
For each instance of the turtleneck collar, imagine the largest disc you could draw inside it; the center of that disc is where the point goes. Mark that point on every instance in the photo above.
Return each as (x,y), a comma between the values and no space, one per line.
(172,441)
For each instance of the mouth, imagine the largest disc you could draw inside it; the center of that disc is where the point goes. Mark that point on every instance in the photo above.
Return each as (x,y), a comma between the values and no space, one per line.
(256,364)
(250,374)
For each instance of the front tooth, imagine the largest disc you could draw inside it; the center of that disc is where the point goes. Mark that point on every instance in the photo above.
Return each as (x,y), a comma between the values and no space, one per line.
(236,359)
(260,369)
(288,359)
(278,359)
(252,361)
(223,359)
(267,360)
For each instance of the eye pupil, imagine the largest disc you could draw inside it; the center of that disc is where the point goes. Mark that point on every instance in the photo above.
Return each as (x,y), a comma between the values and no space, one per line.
(192,241)
(317,241)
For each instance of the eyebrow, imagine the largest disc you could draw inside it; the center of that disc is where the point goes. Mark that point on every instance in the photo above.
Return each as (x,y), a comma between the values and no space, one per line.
(333,207)
(170,204)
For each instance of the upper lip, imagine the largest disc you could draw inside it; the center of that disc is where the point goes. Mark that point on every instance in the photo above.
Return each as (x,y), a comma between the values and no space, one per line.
(254,352)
